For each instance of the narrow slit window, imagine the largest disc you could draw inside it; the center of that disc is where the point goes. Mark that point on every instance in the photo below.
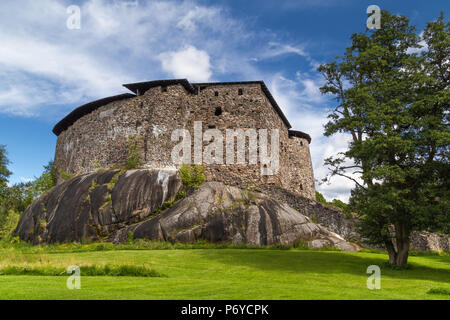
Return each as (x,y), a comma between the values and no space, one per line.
(216,93)
(218,111)
(240,92)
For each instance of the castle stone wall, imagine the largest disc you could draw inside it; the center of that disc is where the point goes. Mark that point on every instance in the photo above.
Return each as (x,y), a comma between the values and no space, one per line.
(100,138)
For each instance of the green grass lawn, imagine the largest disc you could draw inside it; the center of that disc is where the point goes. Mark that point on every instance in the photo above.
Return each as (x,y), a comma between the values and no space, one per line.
(228,274)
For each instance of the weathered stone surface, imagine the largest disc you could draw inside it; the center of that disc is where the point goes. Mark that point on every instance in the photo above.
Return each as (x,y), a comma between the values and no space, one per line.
(327,216)
(111,204)
(220,213)
(93,205)
(100,138)
(428,241)
(336,221)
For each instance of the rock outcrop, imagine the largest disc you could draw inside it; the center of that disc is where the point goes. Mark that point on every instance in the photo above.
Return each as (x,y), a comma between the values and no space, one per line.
(94,205)
(330,217)
(221,213)
(112,205)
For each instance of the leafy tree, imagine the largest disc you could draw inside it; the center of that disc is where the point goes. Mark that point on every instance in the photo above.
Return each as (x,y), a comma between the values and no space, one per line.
(395,105)
(340,204)
(4,188)
(334,203)
(46,181)
(4,172)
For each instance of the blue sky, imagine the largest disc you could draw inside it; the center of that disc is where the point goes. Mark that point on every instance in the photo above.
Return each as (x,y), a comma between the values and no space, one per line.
(46,69)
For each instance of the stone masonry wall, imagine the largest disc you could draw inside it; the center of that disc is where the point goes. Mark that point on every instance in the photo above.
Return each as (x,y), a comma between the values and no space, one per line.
(100,138)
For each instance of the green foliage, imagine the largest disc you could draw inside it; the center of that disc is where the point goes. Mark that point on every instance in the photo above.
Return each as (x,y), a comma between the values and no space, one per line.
(192,176)
(65,175)
(320,198)
(301,244)
(166,204)
(114,179)
(90,270)
(180,195)
(394,104)
(344,207)
(4,172)
(209,273)
(8,223)
(14,199)
(47,180)
(133,160)
(442,291)
(130,237)
(108,198)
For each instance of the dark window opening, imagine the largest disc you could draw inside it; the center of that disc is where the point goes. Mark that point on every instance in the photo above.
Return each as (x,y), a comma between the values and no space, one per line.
(301,186)
(211,126)
(164,89)
(240,92)
(301,143)
(216,93)
(218,111)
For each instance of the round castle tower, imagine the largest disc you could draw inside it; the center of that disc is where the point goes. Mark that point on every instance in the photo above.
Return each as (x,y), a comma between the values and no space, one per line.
(96,135)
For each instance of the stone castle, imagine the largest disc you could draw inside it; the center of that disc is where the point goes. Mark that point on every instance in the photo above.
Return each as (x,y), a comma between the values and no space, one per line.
(97,134)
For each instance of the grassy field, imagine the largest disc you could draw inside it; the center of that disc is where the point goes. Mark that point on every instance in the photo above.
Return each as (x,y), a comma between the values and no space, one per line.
(224,274)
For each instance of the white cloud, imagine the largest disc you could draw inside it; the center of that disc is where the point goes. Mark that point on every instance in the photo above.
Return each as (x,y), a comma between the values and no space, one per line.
(422,43)
(276,49)
(188,62)
(25,180)
(44,65)
(198,16)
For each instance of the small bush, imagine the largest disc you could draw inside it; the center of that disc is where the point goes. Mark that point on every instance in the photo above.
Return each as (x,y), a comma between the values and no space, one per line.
(192,176)
(130,237)
(180,195)
(133,155)
(65,175)
(443,291)
(301,244)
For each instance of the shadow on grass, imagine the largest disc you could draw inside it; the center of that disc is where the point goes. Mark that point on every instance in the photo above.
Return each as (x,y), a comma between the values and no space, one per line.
(296,261)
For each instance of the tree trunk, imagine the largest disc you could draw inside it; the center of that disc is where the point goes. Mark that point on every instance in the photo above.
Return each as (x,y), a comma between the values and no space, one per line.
(398,251)
(402,252)
(391,252)
(398,247)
